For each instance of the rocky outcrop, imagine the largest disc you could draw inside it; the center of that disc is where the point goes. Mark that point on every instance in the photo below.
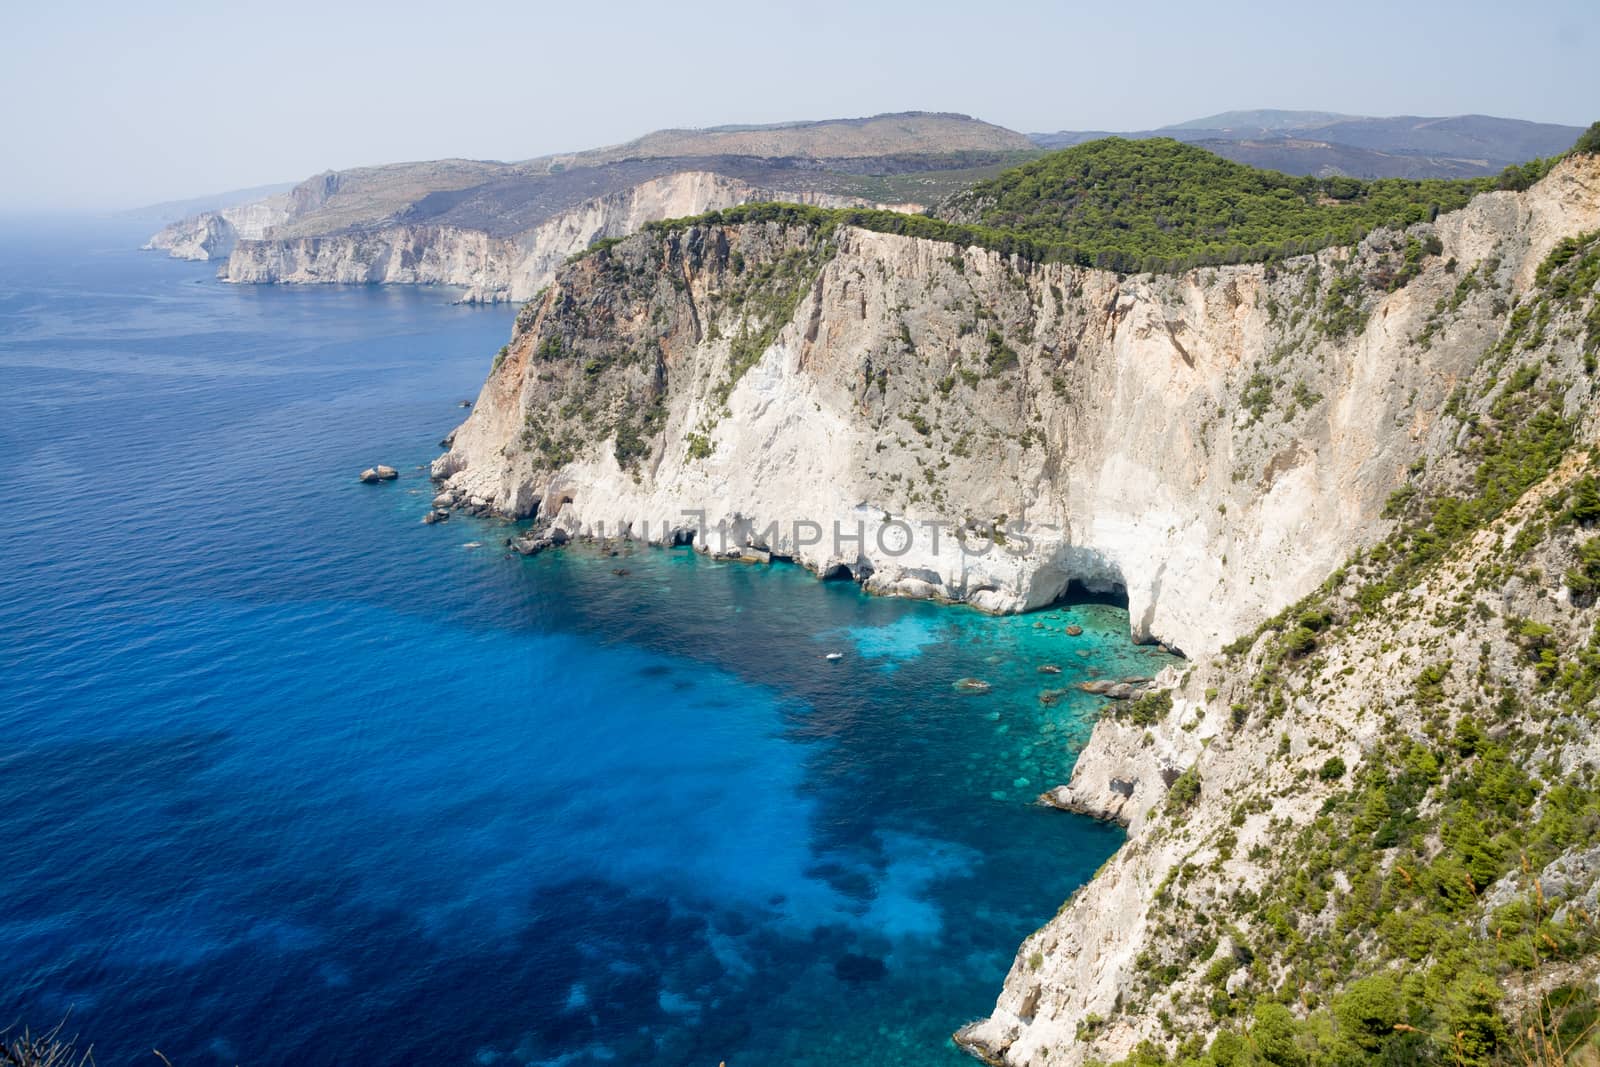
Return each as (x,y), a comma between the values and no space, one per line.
(215,234)
(963,425)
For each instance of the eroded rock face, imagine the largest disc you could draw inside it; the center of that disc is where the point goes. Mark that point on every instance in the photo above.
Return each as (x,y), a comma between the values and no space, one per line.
(215,234)
(1077,990)
(260,245)
(1214,443)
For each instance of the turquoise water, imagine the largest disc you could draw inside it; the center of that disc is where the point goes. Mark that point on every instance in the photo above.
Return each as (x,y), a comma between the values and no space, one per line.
(289,777)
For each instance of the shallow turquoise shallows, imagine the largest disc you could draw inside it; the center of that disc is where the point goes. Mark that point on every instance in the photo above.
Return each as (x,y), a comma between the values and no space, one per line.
(288,777)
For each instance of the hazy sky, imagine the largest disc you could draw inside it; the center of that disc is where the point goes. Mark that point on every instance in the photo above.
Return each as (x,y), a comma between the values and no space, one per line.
(118,104)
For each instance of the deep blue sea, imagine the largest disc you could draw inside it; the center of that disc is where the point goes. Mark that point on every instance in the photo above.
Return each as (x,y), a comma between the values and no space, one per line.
(288,777)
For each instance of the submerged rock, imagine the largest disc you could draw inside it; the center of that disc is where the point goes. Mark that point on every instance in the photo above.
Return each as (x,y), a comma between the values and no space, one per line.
(1049,668)
(971,685)
(436,515)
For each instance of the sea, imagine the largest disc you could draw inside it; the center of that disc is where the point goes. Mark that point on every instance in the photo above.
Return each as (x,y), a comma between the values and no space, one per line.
(288,776)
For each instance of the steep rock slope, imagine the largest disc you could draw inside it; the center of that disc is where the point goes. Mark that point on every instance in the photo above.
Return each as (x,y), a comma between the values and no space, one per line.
(1371,831)
(981,429)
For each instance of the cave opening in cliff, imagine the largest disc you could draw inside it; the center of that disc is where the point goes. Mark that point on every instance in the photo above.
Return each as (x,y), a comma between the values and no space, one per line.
(1077,592)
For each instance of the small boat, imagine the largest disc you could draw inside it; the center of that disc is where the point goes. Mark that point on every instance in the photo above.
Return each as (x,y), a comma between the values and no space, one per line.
(834,657)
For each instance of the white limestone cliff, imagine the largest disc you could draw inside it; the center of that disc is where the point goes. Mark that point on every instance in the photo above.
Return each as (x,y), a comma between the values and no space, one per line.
(491,267)
(1148,435)
(215,234)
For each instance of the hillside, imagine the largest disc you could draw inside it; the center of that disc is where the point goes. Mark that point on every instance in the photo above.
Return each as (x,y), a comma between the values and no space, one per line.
(1325,144)
(508,198)
(1154,205)
(1258,121)
(1137,200)
(906,133)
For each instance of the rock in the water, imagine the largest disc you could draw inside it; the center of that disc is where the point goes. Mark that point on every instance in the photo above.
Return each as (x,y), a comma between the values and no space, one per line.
(436,515)
(380,473)
(443,500)
(1074,630)
(971,685)
(1050,697)
(1049,668)
(465,404)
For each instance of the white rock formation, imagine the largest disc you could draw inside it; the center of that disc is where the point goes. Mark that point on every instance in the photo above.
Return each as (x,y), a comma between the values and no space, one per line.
(490,267)
(215,234)
(1195,439)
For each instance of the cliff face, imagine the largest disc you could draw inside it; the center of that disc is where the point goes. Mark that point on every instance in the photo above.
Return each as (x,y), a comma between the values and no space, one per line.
(1390,439)
(415,255)
(261,249)
(1396,783)
(1214,443)
(214,234)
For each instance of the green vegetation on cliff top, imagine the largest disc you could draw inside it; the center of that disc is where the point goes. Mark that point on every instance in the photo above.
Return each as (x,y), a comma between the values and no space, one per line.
(1156,205)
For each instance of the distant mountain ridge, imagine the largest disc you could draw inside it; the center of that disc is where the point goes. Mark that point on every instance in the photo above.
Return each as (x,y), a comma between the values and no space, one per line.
(901,133)
(1326,143)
